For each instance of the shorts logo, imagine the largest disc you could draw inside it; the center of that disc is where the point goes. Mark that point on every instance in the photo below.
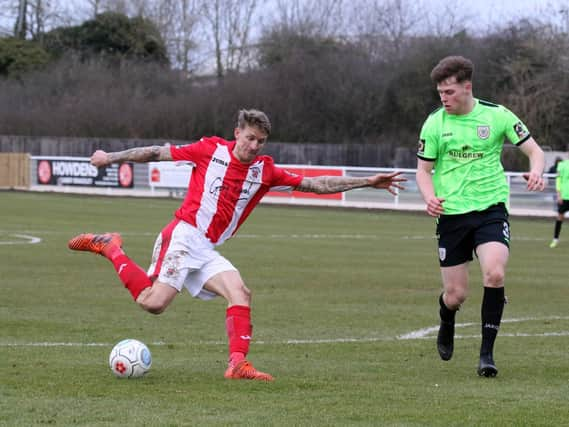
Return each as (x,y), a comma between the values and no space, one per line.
(483,132)
(442,254)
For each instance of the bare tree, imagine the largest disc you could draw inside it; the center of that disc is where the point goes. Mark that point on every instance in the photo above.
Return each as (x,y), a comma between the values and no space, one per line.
(384,26)
(534,95)
(42,15)
(230,31)
(311,17)
(32,18)
(446,22)
(21,27)
(177,22)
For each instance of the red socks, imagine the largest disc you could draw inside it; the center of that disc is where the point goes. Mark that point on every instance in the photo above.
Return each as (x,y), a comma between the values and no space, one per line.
(239,331)
(133,277)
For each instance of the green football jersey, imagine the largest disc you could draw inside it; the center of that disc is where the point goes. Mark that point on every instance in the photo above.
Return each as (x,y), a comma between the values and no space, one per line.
(562,181)
(466,151)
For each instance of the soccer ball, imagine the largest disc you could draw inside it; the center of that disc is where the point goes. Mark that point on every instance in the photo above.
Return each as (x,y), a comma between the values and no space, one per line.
(130,359)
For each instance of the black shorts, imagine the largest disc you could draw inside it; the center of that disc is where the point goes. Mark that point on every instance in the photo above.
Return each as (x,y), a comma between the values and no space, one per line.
(563,207)
(459,235)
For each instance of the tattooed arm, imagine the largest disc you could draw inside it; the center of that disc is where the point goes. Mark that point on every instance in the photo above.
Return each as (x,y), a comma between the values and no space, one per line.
(152,153)
(338,184)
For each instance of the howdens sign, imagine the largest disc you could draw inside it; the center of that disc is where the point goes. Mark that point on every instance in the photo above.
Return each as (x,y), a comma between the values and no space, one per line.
(74,171)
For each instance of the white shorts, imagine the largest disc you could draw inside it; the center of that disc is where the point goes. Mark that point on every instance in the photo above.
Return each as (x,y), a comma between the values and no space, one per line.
(184,257)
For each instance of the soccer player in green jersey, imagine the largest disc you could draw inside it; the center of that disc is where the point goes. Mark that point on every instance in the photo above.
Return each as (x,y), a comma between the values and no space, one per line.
(468,194)
(562,187)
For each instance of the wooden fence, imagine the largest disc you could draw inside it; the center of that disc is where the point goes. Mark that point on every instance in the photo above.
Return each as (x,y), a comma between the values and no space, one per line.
(14,170)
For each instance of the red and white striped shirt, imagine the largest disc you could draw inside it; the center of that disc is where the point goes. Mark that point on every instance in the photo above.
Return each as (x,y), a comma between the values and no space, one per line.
(222,190)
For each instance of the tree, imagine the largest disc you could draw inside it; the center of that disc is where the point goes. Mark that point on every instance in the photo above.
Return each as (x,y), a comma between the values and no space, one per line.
(322,18)
(386,26)
(177,21)
(230,28)
(21,27)
(532,77)
(18,57)
(109,35)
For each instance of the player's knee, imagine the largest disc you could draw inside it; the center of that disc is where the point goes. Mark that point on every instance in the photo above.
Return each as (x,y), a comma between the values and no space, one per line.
(240,295)
(494,277)
(245,293)
(456,297)
(152,305)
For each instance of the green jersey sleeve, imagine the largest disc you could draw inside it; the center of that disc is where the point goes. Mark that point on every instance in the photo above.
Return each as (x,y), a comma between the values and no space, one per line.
(428,139)
(515,130)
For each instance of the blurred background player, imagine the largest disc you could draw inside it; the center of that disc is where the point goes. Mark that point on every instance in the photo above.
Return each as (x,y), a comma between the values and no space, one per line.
(228,179)
(562,191)
(468,194)
(553,171)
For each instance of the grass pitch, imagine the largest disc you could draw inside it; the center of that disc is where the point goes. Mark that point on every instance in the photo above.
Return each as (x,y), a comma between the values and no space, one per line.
(343,303)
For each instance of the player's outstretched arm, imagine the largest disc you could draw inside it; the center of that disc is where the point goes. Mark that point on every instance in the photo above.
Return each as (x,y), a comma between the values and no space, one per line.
(336,184)
(152,153)
(534,178)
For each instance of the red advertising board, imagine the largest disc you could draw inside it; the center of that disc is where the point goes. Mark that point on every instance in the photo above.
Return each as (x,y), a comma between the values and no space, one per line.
(310,172)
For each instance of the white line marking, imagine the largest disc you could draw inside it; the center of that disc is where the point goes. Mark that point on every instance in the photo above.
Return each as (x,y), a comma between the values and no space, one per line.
(420,334)
(423,333)
(383,236)
(25,240)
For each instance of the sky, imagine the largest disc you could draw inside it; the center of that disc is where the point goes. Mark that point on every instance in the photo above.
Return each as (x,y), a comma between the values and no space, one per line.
(480,12)
(504,11)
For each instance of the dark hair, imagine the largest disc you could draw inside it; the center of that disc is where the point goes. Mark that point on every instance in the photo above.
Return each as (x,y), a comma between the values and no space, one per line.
(458,66)
(254,118)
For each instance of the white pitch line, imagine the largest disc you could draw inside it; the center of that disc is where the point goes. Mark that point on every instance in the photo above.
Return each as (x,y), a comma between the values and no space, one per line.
(424,332)
(289,236)
(27,240)
(420,334)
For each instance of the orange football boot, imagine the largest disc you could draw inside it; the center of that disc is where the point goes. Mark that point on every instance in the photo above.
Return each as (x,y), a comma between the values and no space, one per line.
(98,243)
(244,370)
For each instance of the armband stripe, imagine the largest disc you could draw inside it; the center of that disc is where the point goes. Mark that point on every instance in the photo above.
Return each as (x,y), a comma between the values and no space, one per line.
(528,136)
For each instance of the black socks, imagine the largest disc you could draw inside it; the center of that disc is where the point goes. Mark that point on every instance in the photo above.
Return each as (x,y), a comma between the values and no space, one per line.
(491,313)
(557,229)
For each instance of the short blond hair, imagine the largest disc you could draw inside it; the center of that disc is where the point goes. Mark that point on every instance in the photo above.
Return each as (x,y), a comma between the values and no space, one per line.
(254,118)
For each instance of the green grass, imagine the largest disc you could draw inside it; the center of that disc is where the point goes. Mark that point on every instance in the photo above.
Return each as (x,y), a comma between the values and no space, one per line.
(318,276)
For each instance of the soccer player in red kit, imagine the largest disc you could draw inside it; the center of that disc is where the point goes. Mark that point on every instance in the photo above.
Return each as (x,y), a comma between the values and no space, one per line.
(228,180)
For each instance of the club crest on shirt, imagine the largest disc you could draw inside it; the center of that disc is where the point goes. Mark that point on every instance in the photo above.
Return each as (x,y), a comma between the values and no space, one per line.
(442,254)
(254,171)
(483,132)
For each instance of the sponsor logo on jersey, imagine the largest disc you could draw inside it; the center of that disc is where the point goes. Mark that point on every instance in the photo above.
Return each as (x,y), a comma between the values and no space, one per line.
(219,161)
(459,154)
(483,132)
